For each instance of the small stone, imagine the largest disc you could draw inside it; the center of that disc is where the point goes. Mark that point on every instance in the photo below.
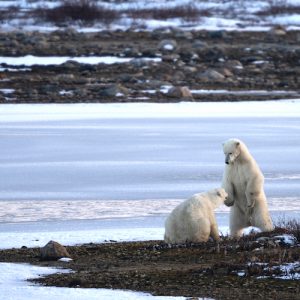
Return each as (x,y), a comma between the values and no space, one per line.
(113,91)
(278,30)
(226,72)
(180,92)
(210,74)
(263,239)
(167,45)
(199,44)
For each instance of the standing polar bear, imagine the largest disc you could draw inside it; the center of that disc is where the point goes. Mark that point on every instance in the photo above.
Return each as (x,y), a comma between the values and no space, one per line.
(244,183)
(194,220)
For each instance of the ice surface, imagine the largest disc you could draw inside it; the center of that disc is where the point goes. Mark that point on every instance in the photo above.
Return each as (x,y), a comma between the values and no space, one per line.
(143,154)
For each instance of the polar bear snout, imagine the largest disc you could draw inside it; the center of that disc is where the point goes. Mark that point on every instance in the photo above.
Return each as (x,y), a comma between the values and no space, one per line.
(228,201)
(227,159)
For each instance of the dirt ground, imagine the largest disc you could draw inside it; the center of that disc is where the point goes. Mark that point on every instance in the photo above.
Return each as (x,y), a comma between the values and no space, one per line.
(244,269)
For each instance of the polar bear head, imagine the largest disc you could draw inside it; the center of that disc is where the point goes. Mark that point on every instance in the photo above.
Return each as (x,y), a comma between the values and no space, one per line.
(217,196)
(232,150)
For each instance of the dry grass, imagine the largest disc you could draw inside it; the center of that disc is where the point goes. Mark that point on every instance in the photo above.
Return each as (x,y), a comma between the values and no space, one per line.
(86,11)
(279,7)
(9,13)
(291,226)
(186,12)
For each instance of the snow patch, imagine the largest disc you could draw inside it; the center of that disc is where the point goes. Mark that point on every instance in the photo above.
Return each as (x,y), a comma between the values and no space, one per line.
(30,60)
(14,286)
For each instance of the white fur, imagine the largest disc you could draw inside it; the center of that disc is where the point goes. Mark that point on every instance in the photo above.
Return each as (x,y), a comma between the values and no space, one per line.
(244,183)
(194,220)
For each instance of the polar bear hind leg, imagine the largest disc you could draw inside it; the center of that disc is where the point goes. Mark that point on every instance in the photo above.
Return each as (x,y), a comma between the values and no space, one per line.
(199,231)
(237,222)
(261,219)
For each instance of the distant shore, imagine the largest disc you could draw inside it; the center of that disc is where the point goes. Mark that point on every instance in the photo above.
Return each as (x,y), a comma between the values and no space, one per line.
(160,66)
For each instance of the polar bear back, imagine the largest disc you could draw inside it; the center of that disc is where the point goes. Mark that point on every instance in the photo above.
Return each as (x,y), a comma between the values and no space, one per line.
(191,221)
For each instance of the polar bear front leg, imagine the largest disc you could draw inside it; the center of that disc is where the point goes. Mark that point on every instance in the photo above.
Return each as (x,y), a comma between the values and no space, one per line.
(214,232)
(253,193)
(228,187)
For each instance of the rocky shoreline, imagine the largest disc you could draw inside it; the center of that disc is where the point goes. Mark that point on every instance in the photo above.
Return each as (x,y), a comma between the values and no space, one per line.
(258,266)
(188,65)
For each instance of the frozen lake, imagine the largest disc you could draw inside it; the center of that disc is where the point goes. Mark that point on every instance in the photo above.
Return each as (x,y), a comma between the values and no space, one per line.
(58,165)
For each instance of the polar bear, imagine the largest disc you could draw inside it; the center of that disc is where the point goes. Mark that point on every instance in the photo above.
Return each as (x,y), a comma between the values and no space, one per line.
(194,220)
(244,183)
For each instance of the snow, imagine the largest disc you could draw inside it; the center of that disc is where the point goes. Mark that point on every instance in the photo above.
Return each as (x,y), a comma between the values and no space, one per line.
(14,287)
(290,271)
(65,259)
(54,112)
(30,60)
(40,233)
(15,70)
(7,91)
(165,89)
(286,239)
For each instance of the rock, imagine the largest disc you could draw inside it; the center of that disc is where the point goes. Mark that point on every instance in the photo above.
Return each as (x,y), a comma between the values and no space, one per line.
(180,92)
(139,62)
(131,52)
(190,69)
(66,78)
(71,64)
(234,64)
(251,59)
(167,45)
(170,58)
(277,30)
(157,84)
(211,75)
(127,78)
(199,44)
(114,90)
(285,240)
(53,251)
(178,76)
(219,34)
(182,34)
(263,239)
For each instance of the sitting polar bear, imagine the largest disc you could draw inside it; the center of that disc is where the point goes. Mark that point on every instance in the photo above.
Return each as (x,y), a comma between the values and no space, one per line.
(244,183)
(194,220)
